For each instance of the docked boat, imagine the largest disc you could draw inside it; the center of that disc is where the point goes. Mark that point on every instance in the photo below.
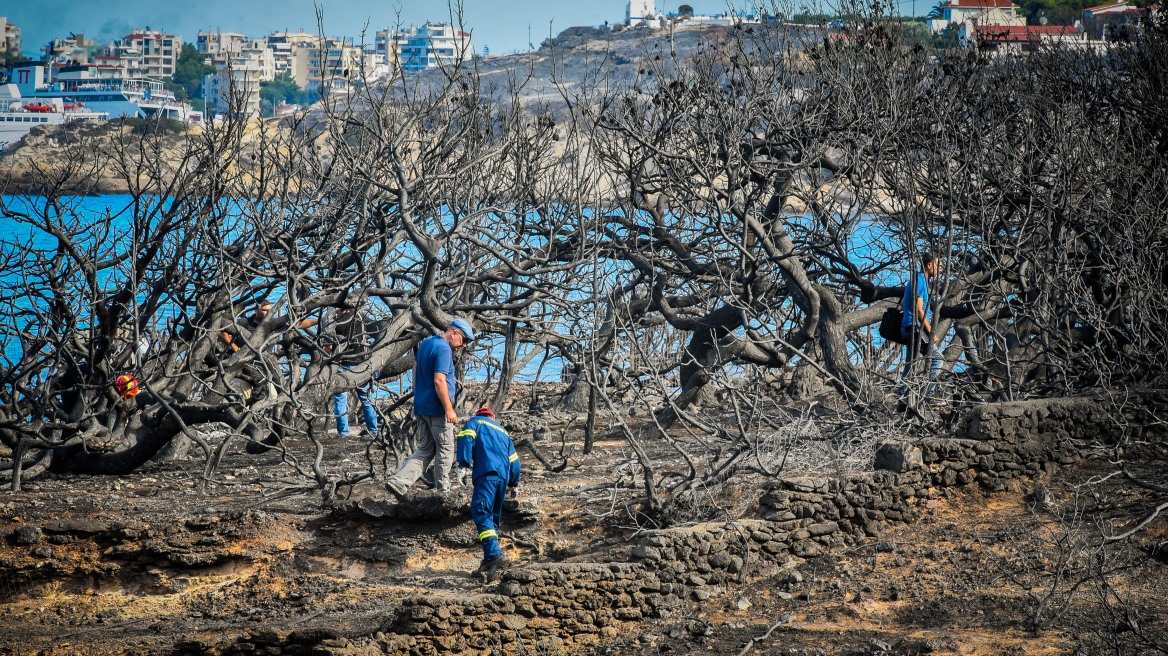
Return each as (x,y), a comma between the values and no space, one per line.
(118,97)
(18,116)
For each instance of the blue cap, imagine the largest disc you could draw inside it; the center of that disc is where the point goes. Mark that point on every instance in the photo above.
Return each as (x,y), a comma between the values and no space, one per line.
(464,326)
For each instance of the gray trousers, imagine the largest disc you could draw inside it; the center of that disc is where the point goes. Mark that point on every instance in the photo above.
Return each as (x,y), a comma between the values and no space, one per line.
(435,442)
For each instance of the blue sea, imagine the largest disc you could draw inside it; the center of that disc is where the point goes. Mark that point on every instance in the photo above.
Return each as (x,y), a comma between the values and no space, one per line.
(869,241)
(94,210)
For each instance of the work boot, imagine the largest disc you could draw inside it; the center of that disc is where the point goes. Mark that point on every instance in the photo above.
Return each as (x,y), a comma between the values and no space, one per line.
(396,490)
(490,569)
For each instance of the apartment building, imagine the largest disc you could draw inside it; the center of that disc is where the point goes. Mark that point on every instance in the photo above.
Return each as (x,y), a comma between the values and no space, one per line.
(218,42)
(434,44)
(148,53)
(234,89)
(325,62)
(9,37)
(283,46)
(74,48)
(387,45)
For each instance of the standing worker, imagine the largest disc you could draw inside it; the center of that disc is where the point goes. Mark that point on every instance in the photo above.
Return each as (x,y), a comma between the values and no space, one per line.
(433,409)
(484,444)
(345,334)
(915,328)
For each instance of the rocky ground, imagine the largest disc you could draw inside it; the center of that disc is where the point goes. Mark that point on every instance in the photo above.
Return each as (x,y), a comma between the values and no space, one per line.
(155,563)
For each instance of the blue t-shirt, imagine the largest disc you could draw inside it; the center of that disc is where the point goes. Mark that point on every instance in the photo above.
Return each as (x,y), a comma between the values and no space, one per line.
(434,357)
(909,302)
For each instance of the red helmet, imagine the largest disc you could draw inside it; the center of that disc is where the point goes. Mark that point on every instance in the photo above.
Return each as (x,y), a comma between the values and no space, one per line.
(126,385)
(485,412)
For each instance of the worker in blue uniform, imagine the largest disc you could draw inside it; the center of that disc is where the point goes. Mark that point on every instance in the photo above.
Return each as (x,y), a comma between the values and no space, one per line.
(484,446)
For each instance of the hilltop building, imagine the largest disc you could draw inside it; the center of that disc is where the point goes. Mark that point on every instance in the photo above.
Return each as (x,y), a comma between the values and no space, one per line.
(431,45)
(1112,21)
(640,12)
(978,12)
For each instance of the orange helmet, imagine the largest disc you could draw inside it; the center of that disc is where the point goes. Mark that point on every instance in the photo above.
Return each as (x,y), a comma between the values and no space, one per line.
(126,385)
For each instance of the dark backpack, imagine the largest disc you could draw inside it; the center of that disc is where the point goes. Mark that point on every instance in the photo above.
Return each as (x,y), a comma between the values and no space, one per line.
(890,325)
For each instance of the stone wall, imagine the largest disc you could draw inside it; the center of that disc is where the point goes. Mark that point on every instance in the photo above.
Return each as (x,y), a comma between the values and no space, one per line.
(995,445)
(560,606)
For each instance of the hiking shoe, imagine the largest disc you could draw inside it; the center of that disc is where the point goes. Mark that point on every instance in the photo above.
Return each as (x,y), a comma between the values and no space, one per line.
(396,490)
(491,569)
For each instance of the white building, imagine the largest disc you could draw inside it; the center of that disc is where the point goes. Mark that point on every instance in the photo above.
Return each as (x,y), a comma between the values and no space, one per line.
(234,89)
(387,44)
(217,41)
(640,12)
(435,44)
(148,53)
(978,12)
(282,45)
(256,54)
(321,64)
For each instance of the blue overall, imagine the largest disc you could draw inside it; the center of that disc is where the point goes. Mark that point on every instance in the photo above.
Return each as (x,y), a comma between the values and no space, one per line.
(484,445)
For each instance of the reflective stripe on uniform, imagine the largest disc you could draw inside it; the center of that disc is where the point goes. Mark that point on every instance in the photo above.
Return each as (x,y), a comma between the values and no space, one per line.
(513,457)
(467,432)
(489,533)
(494,425)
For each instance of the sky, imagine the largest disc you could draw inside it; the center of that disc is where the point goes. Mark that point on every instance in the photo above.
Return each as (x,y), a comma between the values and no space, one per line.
(501,25)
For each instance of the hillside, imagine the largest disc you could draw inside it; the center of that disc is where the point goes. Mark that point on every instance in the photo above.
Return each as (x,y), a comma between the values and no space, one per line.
(576,59)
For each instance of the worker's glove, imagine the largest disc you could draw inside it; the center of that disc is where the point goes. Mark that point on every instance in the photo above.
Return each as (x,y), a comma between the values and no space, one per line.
(460,476)
(513,493)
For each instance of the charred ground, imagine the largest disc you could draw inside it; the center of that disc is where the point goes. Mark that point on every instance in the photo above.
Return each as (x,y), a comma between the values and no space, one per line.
(163,562)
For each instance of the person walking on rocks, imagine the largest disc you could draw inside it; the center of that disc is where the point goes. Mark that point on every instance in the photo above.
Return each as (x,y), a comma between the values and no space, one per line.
(485,447)
(433,409)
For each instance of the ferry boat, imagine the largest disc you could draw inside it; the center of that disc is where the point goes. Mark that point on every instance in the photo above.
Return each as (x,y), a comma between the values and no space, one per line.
(117,97)
(18,116)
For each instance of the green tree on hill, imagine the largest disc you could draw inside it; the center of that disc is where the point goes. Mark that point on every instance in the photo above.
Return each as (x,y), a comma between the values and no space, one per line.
(1063,12)
(190,71)
(283,89)
(11,56)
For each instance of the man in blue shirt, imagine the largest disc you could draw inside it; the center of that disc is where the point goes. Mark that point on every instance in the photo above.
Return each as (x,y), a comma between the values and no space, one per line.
(483,444)
(915,327)
(433,409)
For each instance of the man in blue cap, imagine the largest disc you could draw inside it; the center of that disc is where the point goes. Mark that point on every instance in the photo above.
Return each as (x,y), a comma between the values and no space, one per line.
(484,444)
(433,409)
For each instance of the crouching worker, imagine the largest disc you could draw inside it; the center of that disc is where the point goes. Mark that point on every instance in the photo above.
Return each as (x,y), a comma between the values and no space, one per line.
(483,444)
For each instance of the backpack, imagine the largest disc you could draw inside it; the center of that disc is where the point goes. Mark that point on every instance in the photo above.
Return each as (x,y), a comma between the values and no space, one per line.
(890,325)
